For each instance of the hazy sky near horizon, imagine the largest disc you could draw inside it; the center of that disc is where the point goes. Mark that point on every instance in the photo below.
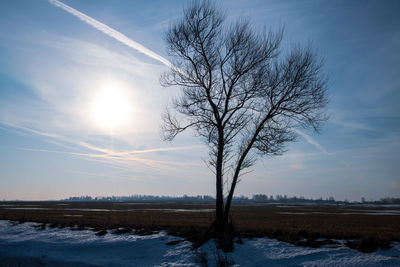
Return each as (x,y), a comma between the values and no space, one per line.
(61,68)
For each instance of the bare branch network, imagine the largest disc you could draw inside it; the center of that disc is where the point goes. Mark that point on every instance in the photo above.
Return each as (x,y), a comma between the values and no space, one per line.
(241,93)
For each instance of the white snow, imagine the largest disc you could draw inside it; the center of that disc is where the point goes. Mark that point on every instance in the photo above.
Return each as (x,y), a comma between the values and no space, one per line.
(24,245)
(352,212)
(181,210)
(26,208)
(383,211)
(164,210)
(93,210)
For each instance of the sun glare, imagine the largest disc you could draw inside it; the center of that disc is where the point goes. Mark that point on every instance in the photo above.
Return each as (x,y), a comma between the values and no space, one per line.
(111,108)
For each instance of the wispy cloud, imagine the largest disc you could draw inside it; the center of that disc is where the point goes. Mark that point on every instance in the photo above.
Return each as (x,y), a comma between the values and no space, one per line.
(310,140)
(122,158)
(89,151)
(111,32)
(110,152)
(29,130)
(69,134)
(355,125)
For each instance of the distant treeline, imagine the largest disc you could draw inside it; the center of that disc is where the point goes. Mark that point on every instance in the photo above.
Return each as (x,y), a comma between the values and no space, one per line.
(260,198)
(140,198)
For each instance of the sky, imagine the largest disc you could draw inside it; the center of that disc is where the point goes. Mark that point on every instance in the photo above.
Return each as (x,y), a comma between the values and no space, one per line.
(64,65)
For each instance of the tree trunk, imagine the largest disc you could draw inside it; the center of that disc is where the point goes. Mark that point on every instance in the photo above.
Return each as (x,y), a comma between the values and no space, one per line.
(219,219)
(235,177)
(229,199)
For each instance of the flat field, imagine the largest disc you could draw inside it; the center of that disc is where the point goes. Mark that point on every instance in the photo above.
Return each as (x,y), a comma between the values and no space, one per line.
(328,221)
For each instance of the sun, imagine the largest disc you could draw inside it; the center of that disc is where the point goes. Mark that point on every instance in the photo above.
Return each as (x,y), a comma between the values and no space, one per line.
(111,108)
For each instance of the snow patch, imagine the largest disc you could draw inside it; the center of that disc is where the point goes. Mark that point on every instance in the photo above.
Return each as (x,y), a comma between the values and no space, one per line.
(26,208)
(22,244)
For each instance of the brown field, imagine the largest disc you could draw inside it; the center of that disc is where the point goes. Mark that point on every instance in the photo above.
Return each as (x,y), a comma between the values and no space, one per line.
(340,222)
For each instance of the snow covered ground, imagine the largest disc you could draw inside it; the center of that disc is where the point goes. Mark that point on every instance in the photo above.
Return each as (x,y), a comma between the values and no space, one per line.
(24,245)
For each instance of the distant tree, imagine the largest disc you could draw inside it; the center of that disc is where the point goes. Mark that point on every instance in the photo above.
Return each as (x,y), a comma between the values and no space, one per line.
(241,93)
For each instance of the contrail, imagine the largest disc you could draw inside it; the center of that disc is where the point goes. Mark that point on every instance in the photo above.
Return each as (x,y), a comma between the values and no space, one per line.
(25,129)
(111,32)
(311,141)
(115,153)
(122,157)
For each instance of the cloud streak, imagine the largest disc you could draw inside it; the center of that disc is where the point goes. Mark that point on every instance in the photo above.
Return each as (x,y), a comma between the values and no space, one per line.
(105,155)
(120,157)
(111,32)
(312,141)
(114,153)
(134,45)
(33,131)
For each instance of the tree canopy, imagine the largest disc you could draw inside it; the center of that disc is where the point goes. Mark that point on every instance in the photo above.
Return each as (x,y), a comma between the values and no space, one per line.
(240,92)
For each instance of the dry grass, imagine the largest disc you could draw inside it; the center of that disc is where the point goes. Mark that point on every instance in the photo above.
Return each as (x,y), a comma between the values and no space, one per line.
(250,220)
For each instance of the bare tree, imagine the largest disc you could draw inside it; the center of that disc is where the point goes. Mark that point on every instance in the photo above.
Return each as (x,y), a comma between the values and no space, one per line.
(240,93)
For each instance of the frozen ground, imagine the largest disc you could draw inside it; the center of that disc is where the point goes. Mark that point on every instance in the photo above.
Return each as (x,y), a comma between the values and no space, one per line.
(24,245)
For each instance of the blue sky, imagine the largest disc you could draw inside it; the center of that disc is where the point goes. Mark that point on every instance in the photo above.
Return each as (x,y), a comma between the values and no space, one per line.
(56,71)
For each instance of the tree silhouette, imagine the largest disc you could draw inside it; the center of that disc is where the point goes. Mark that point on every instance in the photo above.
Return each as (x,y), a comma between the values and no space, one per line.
(241,93)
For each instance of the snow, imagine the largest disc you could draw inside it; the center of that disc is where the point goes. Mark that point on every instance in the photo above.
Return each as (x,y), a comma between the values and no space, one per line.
(24,245)
(26,208)
(94,209)
(378,212)
(182,210)
(118,210)
(384,211)
(264,251)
